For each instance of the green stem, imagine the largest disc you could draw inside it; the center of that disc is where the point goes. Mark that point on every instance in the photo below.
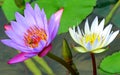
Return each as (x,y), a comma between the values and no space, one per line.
(61,61)
(32,67)
(94,64)
(108,18)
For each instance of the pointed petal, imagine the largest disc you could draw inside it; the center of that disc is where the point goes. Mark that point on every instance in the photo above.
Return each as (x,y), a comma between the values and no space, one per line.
(29,8)
(21,20)
(18,28)
(38,17)
(94,25)
(44,19)
(73,35)
(80,49)
(107,30)
(14,37)
(29,18)
(87,29)
(101,26)
(12,44)
(98,50)
(45,51)
(112,37)
(54,23)
(7,27)
(79,32)
(58,15)
(18,58)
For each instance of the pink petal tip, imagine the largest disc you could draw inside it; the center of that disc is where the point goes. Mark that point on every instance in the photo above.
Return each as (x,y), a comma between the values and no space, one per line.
(45,51)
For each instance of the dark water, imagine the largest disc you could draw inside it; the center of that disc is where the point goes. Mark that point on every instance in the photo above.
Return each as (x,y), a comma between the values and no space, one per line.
(83,61)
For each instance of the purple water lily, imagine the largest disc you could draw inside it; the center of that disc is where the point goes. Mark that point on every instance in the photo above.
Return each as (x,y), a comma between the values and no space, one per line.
(32,33)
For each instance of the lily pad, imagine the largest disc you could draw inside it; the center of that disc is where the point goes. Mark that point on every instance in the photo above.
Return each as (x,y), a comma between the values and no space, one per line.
(74,10)
(111,63)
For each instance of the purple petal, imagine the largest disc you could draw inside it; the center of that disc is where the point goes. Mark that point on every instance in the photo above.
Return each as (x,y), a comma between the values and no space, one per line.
(38,16)
(18,28)
(45,51)
(29,18)
(54,23)
(14,37)
(12,44)
(18,58)
(40,46)
(29,8)
(21,20)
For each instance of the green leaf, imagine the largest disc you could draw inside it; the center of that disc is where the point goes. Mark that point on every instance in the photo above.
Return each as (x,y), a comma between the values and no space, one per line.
(101,72)
(111,63)
(106,6)
(9,8)
(74,10)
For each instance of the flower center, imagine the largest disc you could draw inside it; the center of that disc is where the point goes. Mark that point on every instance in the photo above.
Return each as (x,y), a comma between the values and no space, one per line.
(33,36)
(91,38)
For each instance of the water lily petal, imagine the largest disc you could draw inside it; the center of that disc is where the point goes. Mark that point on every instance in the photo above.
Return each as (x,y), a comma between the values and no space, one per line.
(88,46)
(80,49)
(14,37)
(73,35)
(40,47)
(12,44)
(98,50)
(7,27)
(21,20)
(101,26)
(54,23)
(29,8)
(87,29)
(112,37)
(17,28)
(18,58)
(38,17)
(45,51)
(29,18)
(107,30)
(94,25)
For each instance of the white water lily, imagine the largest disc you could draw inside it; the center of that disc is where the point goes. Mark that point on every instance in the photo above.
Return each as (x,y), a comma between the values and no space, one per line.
(93,39)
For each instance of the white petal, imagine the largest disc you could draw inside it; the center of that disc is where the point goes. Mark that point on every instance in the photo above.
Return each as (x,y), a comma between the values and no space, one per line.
(101,26)
(79,32)
(73,35)
(107,30)
(80,49)
(94,25)
(98,50)
(87,29)
(95,44)
(113,36)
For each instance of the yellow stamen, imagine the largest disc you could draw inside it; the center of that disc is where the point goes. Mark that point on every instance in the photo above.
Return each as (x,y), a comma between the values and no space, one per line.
(91,38)
(33,36)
